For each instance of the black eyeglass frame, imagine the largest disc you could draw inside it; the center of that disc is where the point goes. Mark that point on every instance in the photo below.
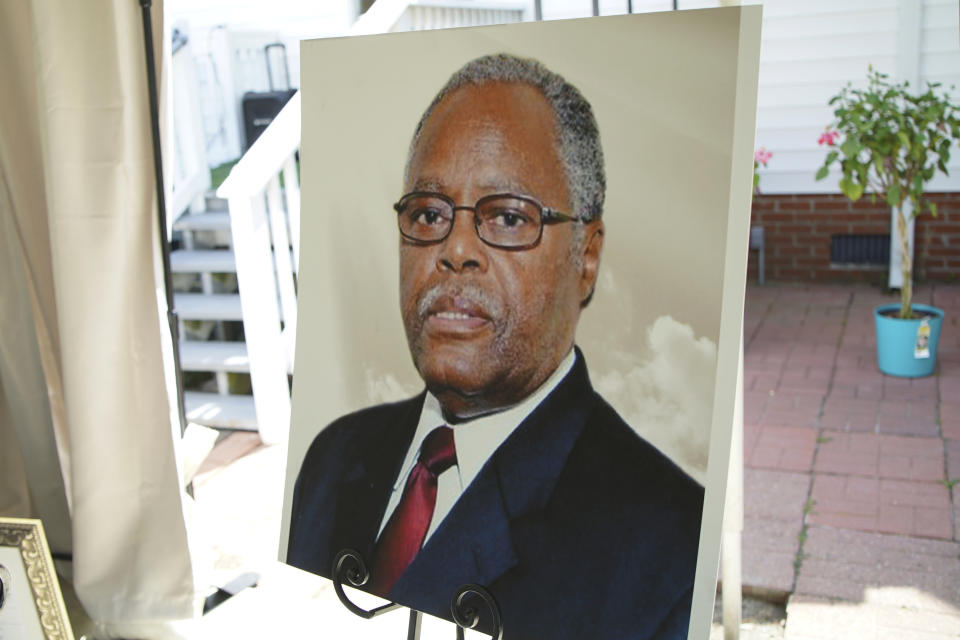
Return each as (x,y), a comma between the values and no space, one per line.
(548,216)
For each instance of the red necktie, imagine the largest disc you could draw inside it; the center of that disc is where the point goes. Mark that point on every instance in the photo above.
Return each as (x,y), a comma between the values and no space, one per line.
(407,527)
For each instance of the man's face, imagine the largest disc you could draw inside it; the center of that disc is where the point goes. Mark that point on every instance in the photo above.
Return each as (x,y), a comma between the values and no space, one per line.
(486,326)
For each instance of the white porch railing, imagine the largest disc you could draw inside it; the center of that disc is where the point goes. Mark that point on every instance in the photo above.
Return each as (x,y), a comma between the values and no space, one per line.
(265,224)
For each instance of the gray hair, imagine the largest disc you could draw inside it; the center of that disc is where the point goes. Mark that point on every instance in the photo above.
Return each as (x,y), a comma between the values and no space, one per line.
(577,135)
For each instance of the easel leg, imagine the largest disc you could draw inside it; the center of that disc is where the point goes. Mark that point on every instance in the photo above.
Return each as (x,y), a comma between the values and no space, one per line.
(413,630)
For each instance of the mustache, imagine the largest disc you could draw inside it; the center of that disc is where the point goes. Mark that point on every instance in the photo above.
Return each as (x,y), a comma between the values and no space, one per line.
(473,294)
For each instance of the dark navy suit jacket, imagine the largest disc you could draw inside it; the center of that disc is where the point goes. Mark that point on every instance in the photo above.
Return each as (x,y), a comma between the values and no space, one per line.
(578,527)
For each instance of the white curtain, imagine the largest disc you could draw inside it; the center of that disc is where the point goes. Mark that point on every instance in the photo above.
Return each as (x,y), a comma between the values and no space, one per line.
(86,441)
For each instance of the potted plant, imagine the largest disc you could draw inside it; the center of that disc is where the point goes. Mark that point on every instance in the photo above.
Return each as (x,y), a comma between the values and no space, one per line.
(889,144)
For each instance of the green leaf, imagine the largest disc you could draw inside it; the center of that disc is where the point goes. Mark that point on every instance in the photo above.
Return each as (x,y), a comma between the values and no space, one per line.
(851,189)
(822,172)
(933,208)
(844,185)
(893,195)
(856,190)
(944,149)
(849,148)
(904,139)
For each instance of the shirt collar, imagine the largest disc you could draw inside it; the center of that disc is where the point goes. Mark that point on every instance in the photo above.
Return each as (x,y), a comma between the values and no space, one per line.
(477,439)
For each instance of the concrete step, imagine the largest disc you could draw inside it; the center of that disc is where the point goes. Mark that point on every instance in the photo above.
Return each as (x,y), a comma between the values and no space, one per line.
(205,261)
(214,306)
(214,356)
(224,411)
(202,261)
(207,221)
(213,202)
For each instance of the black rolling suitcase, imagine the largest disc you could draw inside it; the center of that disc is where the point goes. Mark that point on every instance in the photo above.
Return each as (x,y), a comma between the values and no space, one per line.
(261,107)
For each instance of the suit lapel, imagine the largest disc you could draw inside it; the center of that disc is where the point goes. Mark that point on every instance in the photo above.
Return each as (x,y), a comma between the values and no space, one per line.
(366,487)
(474,544)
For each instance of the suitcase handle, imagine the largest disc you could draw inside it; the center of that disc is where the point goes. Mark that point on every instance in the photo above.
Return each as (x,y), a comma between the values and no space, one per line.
(286,67)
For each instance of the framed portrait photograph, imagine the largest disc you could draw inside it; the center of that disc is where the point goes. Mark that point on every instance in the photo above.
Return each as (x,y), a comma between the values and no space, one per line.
(31,605)
(523,258)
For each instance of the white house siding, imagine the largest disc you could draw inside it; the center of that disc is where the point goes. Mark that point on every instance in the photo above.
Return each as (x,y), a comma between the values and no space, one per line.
(940,62)
(810,49)
(940,47)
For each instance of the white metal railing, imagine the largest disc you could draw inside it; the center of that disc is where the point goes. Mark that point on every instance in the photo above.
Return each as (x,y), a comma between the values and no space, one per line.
(265,224)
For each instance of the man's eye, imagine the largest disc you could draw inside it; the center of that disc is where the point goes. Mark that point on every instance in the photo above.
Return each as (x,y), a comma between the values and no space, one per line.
(510,219)
(426,216)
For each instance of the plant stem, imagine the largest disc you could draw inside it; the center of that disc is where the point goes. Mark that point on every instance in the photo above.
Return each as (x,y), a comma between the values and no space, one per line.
(906,288)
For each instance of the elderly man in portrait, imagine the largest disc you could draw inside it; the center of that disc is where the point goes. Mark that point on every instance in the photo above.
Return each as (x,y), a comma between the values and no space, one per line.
(508,471)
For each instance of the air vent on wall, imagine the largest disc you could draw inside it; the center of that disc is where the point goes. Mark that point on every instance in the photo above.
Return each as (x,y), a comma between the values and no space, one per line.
(860,249)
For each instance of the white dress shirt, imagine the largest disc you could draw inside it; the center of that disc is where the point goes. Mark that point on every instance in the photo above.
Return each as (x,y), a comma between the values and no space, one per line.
(475,441)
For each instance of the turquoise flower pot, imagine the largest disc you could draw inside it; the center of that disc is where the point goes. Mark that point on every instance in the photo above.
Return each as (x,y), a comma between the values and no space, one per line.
(904,347)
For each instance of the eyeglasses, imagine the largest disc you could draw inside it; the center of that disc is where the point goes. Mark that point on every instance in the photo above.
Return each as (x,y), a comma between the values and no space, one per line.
(501,220)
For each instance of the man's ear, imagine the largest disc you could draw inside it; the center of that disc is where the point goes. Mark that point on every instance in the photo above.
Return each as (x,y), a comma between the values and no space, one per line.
(592,248)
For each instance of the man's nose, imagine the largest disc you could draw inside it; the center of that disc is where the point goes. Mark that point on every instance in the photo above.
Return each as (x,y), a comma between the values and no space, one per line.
(462,249)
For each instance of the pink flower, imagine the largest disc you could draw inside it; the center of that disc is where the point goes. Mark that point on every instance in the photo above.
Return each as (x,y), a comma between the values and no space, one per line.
(828,138)
(762,156)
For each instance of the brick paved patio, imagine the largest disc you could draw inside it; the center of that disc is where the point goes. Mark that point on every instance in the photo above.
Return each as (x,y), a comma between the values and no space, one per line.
(850,503)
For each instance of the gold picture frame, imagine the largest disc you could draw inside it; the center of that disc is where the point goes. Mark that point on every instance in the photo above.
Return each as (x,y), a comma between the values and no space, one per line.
(23,540)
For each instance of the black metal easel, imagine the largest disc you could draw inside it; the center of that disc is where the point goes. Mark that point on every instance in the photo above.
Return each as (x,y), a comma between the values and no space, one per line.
(465,606)
(162,208)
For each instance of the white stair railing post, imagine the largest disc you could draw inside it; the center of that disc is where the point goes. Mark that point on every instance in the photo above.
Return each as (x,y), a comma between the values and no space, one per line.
(284,266)
(261,321)
(291,187)
(265,271)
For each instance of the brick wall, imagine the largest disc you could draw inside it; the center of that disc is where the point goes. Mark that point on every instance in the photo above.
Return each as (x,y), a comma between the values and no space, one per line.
(798,229)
